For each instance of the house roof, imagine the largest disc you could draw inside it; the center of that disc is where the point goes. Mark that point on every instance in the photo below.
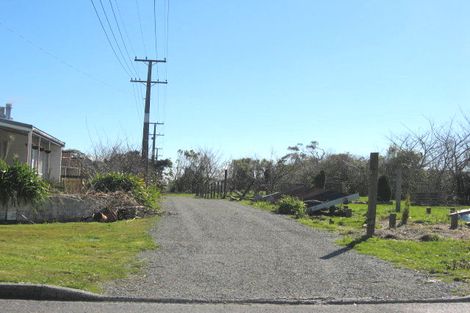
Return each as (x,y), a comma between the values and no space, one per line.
(27,128)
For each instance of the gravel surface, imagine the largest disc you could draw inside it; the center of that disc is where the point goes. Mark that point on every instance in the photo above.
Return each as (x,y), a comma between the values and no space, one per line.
(215,249)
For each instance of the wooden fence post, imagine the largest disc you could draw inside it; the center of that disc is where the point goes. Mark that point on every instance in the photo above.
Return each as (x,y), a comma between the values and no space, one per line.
(225,184)
(392,220)
(372,206)
(454,221)
(398,189)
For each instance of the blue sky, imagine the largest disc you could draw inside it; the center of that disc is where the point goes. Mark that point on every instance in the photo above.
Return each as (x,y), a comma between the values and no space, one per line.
(246,78)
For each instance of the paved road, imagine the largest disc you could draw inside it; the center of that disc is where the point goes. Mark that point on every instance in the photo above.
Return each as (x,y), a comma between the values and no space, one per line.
(10,306)
(215,249)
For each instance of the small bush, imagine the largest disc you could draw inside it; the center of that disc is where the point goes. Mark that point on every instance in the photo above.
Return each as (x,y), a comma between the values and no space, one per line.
(430,237)
(384,193)
(113,182)
(20,184)
(406,211)
(291,205)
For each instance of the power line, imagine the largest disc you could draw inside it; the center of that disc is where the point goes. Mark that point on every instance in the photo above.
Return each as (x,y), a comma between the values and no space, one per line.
(140,24)
(122,38)
(58,59)
(109,41)
(167,25)
(114,36)
(137,102)
(155,27)
(155,32)
(124,27)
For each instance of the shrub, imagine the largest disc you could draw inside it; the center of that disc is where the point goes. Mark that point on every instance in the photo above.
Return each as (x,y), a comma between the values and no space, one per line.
(20,184)
(406,211)
(112,182)
(430,237)
(384,193)
(291,205)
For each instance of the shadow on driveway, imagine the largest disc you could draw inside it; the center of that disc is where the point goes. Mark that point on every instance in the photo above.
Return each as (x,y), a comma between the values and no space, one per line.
(350,246)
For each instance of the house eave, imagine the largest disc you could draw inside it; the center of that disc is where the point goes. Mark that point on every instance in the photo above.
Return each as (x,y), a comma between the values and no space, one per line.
(15,125)
(22,127)
(38,132)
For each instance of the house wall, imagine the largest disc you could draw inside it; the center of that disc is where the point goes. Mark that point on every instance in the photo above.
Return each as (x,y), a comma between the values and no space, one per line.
(17,148)
(55,162)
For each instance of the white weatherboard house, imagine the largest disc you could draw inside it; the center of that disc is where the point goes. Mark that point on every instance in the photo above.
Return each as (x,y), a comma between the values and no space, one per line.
(30,145)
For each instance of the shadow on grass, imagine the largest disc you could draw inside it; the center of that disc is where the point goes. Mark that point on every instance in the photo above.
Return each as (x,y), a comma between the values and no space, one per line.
(345,249)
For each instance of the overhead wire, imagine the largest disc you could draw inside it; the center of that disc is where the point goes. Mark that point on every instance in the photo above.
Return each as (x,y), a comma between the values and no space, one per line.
(155,27)
(114,37)
(58,59)
(155,31)
(124,27)
(167,25)
(122,38)
(164,90)
(140,24)
(109,40)
(137,102)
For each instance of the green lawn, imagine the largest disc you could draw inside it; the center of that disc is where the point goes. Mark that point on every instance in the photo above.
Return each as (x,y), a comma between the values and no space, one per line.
(76,255)
(447,259)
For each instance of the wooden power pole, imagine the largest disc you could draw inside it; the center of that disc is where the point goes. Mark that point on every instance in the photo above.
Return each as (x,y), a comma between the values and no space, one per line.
(149,82)
(154,138)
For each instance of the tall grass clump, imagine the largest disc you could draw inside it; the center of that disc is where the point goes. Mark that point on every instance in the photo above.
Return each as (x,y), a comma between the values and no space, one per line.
(20,184)
(406,211)
(291,205)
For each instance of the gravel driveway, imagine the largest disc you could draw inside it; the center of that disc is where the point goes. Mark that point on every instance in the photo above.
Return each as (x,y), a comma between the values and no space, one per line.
(215,249)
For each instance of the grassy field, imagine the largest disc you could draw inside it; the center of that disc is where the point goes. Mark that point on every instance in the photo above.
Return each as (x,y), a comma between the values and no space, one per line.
(76,255)
(439,215)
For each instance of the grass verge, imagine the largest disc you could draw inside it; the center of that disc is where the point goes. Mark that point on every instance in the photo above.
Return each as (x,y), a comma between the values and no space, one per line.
(447,259)
(174,194)
(265,206)
(75,255)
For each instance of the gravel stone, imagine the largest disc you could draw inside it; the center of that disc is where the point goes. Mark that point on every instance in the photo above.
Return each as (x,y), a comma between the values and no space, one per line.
(216,249)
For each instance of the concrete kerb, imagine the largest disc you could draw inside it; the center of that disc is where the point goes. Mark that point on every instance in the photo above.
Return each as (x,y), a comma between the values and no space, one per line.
(53,293)
(44,292)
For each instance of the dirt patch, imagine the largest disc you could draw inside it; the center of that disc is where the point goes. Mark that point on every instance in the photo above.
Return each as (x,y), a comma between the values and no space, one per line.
(423,232)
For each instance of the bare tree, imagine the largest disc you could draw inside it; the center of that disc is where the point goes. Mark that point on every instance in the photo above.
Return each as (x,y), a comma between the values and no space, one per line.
(436,159)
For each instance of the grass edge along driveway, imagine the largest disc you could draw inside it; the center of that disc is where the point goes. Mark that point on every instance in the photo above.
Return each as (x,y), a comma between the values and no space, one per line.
(75,255)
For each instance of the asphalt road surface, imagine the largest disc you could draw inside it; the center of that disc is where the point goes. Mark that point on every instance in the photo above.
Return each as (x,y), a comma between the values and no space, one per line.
(10,306)
(216,249)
